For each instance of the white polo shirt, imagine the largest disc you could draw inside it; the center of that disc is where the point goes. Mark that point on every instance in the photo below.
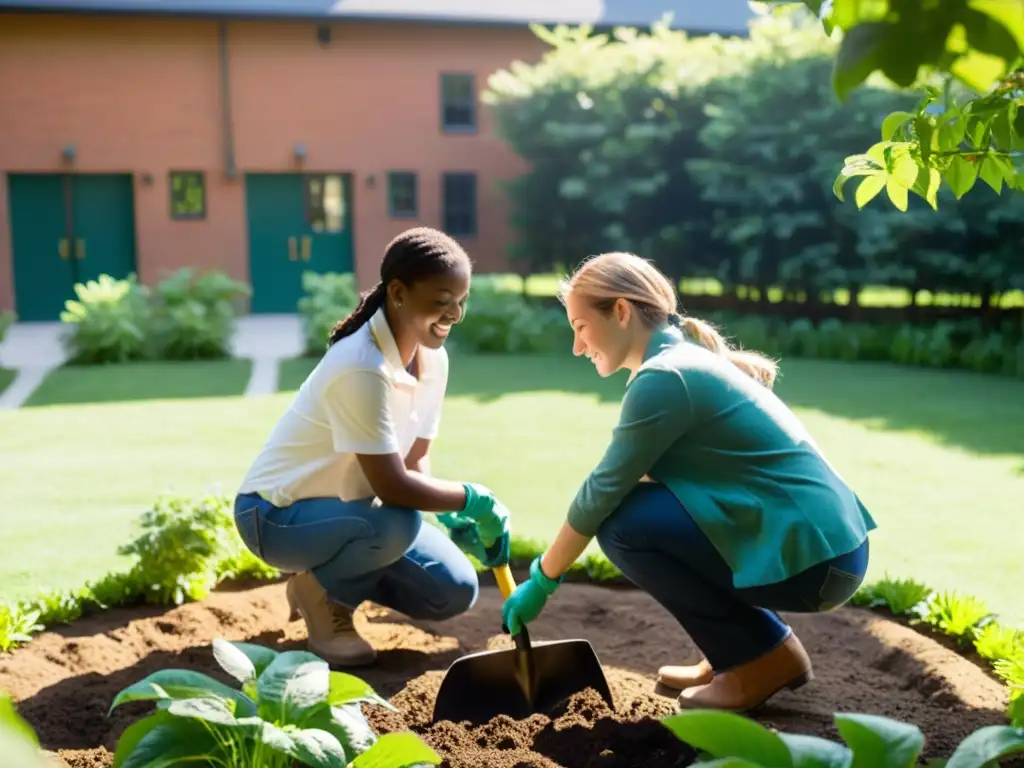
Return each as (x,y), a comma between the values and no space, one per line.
(358,399)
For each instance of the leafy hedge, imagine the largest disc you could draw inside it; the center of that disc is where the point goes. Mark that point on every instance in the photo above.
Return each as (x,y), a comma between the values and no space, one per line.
(187,316)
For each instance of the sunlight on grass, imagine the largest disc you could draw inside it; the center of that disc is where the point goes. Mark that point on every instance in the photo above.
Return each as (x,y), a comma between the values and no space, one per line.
(6,377)
(935,456)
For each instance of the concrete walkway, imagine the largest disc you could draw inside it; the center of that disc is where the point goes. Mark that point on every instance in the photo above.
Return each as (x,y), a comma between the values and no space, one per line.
(33,351)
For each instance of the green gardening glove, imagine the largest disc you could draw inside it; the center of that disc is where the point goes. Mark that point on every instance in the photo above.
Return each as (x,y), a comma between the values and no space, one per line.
(525,604)
(463,532)
(489,514)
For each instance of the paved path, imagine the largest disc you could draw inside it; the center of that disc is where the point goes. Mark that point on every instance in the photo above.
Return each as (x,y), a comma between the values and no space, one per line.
(34,350)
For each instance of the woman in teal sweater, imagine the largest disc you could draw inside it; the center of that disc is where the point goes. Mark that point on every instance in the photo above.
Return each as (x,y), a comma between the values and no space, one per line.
(712,496)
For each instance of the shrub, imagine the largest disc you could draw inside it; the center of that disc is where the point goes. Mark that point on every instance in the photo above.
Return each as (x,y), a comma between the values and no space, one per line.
(290,709)
(329,297)
(109,322)
(498,319)
(194,315)
(727,739)
(186,548)
(7,319)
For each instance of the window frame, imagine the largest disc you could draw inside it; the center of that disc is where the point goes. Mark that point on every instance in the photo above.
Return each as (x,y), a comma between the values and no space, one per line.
(177,215)
(394,212)
(458,128)
(474,208)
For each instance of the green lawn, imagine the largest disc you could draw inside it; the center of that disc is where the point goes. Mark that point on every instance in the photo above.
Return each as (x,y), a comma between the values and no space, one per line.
(142,381)
(6,377)
(937,456)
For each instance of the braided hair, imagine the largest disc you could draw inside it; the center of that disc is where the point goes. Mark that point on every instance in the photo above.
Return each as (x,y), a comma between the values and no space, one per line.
(416,254)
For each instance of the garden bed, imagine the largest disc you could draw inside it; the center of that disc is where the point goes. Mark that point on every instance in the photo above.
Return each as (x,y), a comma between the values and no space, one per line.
(65,680)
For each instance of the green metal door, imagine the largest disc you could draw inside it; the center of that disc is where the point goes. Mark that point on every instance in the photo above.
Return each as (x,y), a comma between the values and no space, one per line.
(44,272)
(297,223)
(104,226)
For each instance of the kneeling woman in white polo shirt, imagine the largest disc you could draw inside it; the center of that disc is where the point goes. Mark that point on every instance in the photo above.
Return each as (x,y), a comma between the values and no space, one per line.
(335,496)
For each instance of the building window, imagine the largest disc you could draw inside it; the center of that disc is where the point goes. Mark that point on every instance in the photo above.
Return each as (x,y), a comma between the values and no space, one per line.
(325,202)
(459,200)
(402,202)
(458,103)
(188,195)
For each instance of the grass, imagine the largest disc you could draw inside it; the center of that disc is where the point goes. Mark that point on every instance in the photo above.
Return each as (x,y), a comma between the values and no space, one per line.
(871,296)
(937,456)
(142,381)
(6,377)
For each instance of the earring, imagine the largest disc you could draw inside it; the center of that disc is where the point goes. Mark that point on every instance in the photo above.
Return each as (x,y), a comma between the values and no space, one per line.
(398,305)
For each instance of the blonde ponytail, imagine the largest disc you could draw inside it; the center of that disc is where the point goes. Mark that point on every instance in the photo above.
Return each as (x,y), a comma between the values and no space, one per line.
(757,366)
(605,279)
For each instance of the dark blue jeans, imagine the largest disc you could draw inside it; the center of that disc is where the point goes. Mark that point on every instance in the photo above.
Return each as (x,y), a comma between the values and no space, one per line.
(658,546)
(358,551)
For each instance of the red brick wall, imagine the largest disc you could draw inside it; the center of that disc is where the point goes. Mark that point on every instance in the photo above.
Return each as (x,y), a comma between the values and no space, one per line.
(143,96)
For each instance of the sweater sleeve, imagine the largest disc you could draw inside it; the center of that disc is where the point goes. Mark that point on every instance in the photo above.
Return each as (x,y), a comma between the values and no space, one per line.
(656,411)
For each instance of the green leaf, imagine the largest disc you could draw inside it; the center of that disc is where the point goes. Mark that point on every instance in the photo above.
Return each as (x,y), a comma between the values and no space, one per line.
(725,734)
(961,176)
(905,170)
(987,745)
(898,194)
(868,189)
(134,733)
(951,134)
(348,725)
(318,749)
(729,762)
(347,689)
(852,169)
(859,55)
(243,661)
(12,722)
(893,123)
(1010,15)
(816,752)
(880,742)
(991,173)
(170,744)
(184,684)
(1016,711)
(927,185)
(214,711)
(294,683)
(397,750)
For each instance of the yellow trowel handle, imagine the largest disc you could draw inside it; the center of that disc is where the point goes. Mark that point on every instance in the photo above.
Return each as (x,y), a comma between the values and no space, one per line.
(503,575)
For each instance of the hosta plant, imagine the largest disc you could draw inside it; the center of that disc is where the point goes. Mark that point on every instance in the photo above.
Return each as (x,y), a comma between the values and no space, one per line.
(289,709)
(727,740)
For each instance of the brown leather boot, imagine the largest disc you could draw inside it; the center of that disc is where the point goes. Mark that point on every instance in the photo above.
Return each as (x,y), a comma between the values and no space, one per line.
(752,684)
(331,630)
(681,678)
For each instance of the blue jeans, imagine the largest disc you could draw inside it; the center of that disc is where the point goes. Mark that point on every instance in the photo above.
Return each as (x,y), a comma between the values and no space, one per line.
(657,545)
(360,552)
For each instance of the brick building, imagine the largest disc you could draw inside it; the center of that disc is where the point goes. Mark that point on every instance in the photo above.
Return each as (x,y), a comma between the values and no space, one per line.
(262,137)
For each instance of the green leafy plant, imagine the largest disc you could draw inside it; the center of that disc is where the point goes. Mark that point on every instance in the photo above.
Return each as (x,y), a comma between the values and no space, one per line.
(288,709)
(903,597)
(725,739)
(959,616)
(186,547)
(1012,671)
(498,319)
(194,314)
(328,297)
(994,642)
(17,625)
(109,322)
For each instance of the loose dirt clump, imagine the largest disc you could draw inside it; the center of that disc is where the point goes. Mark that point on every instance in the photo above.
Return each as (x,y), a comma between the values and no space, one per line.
(64,680)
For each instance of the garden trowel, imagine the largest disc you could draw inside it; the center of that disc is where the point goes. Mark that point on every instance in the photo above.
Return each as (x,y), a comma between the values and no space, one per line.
(519,681)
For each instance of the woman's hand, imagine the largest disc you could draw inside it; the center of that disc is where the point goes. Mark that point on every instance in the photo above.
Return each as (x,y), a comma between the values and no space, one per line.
(464,533)
(489,514)
(525,604)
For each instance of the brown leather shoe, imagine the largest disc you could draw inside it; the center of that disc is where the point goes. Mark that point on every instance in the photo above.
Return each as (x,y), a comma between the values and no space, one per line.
(752,684)
(681,678)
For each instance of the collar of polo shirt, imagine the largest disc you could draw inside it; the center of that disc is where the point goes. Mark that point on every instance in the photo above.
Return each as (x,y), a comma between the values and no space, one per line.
(380,333)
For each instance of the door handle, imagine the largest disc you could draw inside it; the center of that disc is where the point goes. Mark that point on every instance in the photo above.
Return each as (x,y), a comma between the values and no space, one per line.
(80,248)
(292,255)
(307,247)
(63,248)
